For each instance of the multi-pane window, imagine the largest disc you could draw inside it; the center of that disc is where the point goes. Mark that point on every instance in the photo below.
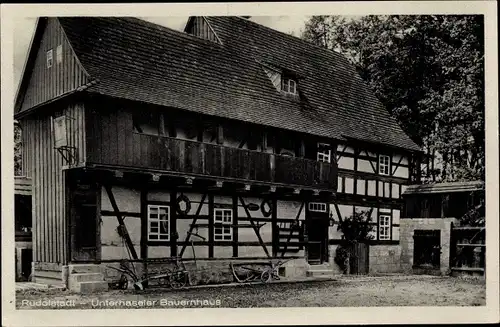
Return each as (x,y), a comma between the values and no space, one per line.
(317,206)
(289,85)
(223,219)
(384,164)
(50,58)
(158,222)
(324,152)
(384,225)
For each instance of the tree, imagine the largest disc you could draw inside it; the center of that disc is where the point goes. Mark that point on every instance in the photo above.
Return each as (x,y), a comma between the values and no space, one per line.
(429,73)
(17,149)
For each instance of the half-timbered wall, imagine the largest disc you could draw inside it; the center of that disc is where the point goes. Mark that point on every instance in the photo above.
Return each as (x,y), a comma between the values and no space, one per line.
(44,165)
(64,75)
(359,173)
(199,219)
(376,211)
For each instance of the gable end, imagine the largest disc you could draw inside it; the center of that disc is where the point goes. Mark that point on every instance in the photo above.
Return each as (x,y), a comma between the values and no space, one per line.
(52,68)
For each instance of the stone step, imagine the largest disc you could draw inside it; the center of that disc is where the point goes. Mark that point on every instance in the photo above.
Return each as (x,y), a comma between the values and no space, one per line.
(47,274)
(86,277)
(48,281)
(89,287)
(320,270)
(84,268)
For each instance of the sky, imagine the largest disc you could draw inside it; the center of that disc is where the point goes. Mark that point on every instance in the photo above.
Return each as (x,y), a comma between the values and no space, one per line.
(24,29)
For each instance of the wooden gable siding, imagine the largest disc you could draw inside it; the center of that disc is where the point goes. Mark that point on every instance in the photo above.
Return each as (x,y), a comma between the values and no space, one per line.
(275,77)
(44,165)
(49,83)
(200,28)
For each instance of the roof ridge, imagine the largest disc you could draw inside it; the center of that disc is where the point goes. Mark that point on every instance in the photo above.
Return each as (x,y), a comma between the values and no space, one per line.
(330,51)
(164,28)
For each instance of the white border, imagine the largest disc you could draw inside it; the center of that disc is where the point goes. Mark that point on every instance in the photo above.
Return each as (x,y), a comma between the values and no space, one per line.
(373,315)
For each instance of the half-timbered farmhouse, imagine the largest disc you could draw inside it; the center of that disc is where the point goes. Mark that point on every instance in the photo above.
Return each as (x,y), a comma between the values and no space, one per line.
(229,141)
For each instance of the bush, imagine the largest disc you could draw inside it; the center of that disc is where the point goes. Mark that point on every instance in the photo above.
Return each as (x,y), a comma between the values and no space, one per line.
(356,228)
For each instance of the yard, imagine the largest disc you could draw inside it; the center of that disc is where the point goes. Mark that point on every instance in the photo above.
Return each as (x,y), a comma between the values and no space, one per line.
(364,291)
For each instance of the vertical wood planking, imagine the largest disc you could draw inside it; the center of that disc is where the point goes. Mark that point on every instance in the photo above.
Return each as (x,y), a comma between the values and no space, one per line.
(48,83)
(44,165)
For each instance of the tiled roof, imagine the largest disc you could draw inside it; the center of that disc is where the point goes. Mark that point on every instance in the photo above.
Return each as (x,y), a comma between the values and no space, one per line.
(137,60)
(449,187)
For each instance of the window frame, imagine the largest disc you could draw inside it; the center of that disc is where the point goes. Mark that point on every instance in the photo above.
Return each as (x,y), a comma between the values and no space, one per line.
(158,221)
(318,207)
(287,81)
(383,167)
(59,54)
(223,224)
(320,152)
(384,218)
(49,58)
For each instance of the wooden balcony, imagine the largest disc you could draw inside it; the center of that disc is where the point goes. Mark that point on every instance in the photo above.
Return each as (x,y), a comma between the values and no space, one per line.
(193,158)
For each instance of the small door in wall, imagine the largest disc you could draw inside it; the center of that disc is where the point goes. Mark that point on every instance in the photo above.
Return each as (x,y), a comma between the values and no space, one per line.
(427,248)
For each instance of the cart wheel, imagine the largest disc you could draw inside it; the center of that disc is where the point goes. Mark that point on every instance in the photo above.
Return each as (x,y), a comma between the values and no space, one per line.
(123,283)
(266,275)
(178,279)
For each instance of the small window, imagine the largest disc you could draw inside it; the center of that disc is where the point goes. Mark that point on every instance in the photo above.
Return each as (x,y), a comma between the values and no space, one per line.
(147,123)
(59,54)
(317,207)
(289,86)
(223,219)
(158,223)
(384,165)
(49,58)
(324,152)
(384,223)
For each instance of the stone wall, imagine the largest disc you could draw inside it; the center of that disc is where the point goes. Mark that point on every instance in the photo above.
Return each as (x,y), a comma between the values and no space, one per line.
(385,259)
(407,231)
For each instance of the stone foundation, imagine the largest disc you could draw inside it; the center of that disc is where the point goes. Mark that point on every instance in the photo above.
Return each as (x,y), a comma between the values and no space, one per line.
(205,272)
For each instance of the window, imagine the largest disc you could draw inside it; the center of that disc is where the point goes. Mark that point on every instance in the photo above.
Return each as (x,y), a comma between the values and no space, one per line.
(384,165)
(317,207)
(288,85)
(147,123)
(384,223)
(324,152)
(158,223)
(59,54)
(49,58)
(223,218)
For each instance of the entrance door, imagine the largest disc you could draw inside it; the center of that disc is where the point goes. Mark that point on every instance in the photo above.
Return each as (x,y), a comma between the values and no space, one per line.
(317,236)
(83,218)
(427,249)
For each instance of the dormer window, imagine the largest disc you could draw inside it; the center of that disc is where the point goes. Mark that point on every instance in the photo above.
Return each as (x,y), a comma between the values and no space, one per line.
(288,85)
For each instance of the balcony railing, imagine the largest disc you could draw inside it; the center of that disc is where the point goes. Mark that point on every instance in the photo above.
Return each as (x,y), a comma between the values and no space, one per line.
(196,158)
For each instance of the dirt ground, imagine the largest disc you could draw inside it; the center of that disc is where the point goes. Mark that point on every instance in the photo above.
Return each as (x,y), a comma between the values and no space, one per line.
(374,291)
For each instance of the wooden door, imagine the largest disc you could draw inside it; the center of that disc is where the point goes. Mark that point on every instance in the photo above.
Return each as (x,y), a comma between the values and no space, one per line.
(359,259)
(317,237)
(84,229)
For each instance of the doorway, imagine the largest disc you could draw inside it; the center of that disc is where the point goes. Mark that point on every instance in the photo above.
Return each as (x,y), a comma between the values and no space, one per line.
(317,236)
(84,229)
(427,249)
